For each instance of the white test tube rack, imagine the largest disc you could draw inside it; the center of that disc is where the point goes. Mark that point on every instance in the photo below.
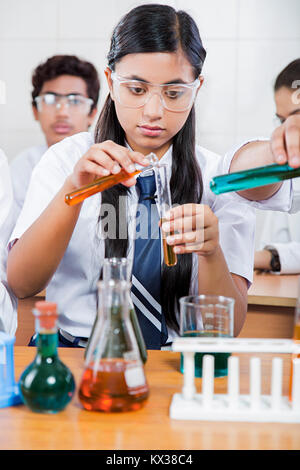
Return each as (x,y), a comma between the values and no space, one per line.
(233,406)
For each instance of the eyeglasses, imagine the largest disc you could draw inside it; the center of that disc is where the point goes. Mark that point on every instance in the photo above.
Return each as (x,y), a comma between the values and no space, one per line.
(54,101)
(175,97)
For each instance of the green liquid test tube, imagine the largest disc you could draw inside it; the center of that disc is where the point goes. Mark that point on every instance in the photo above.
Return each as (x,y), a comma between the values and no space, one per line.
(260,176)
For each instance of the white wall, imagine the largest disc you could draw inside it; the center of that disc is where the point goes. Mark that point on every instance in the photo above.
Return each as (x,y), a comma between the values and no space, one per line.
(248,42)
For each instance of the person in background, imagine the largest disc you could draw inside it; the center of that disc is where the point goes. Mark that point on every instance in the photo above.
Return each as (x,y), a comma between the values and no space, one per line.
(62,247)
(8,302)
(64,102)
(280,237)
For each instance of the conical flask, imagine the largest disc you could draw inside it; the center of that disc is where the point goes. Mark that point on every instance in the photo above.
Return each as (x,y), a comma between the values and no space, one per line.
(118,269)
(46,385)
(114,378)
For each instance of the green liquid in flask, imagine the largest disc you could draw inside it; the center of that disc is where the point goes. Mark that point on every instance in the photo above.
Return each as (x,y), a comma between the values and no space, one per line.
(46,385)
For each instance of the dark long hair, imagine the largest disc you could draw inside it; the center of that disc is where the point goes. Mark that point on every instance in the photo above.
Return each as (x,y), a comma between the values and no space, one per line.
(288,75)
(158,28)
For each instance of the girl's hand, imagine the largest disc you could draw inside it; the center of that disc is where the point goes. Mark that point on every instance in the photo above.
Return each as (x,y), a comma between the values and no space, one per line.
(192,228)
(104,159)
(285,142)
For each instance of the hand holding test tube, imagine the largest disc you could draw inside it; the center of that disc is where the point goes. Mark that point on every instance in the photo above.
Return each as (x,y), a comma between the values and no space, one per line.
(106,182)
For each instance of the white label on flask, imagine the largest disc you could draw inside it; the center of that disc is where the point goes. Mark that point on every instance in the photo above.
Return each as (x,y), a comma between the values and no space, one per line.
(135,377)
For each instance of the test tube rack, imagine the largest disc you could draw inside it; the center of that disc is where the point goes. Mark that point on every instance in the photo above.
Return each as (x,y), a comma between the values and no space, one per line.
(9,390)
(233,406)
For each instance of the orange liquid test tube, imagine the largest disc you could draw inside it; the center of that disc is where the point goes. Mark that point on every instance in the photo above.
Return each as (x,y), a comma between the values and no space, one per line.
(100,184)
(105,182)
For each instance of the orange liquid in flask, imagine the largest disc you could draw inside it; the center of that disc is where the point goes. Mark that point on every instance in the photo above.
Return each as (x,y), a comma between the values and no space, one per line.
(117,385)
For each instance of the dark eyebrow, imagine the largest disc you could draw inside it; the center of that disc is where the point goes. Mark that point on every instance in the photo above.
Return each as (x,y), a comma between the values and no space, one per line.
(296,111)
(139,79)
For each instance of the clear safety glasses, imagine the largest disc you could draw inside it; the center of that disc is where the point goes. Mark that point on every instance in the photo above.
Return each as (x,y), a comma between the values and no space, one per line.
(54,101)
(175,97)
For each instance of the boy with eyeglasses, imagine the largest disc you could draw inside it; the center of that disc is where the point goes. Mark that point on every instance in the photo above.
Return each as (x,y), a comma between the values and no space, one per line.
(64,102)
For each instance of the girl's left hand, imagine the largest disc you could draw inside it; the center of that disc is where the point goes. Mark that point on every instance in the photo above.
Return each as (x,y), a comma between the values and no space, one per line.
(192,228)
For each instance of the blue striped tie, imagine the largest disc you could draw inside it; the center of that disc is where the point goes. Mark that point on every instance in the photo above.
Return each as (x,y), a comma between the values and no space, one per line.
(146,271)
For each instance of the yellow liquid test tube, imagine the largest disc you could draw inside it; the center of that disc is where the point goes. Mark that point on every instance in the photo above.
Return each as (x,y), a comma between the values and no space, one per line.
(164,204)
(170,257)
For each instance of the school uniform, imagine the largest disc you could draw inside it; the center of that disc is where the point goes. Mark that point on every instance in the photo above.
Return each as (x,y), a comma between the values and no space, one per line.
(20,169)
(8,302)
(74,284)
(282,232)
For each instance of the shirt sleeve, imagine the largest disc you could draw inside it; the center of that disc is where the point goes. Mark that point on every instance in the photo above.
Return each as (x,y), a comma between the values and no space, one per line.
(48,176)
(45,183)
(236,220)
(289,255)
(237,236)
(295,207)
(283,200)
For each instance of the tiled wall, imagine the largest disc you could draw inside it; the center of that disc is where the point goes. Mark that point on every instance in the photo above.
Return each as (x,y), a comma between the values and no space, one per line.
(248,42)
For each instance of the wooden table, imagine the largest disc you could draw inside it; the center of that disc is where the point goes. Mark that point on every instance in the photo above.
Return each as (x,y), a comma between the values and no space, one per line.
(271,306)
(148,428)
(274,290)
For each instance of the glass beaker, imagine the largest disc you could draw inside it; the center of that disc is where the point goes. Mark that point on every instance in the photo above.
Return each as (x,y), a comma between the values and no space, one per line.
(47,385)
(296,337)
(164,204)
(118,269)
(207,316)
(114,378)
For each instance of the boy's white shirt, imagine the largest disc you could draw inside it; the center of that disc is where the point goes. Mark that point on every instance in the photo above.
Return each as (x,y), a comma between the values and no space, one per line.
(21,168)
(74,285)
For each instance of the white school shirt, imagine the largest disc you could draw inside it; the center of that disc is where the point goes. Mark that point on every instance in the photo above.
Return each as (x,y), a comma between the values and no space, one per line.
(74,284)
(8,302)
(21,169)
(282,231)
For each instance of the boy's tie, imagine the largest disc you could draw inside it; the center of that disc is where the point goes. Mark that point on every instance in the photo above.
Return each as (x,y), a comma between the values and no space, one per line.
(146,272)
